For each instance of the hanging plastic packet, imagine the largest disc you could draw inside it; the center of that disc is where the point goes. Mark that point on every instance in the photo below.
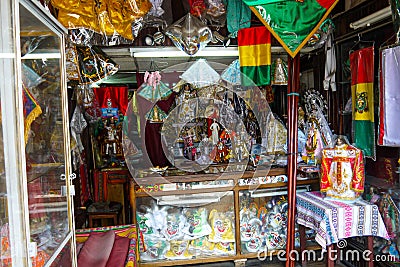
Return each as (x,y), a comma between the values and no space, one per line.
(215,12)
(189,34)
(197,8)
(108,22)
(94,64)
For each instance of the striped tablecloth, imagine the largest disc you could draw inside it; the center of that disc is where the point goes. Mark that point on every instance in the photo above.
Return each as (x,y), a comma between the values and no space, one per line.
(334,220)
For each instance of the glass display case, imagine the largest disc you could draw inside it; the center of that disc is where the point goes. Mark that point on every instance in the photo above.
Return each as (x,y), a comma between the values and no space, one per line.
(185,227)
(36,214)
(263,219)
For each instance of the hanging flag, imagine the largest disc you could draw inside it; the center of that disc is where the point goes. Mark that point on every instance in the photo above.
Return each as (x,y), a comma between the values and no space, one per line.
(31,111)
(362,92)
(255,55)
(292,23)
(389,103)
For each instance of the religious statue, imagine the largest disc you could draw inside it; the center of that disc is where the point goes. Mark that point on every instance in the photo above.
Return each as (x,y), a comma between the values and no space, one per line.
(342,171)
(214,127)
(111,138)
(313,147)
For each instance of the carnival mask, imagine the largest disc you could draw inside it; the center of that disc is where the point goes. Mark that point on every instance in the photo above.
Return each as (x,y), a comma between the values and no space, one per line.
(178,250)
(174,226)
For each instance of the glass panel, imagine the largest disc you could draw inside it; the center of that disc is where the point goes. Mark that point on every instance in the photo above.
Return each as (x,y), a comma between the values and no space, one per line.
(64,258)
(179,227)
(5,257)
(8,254)
(263,220)
(43,133)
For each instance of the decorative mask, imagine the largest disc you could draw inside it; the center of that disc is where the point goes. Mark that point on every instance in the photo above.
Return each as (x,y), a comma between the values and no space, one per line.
(156,219)
(175,224)
(250,229)
(178,250)
(141,221)
(254,244)
(155,249)
(222,227)
(189,34)
(196,222)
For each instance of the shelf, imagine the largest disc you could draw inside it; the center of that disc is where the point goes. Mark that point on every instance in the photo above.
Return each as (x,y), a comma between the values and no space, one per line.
(203,177)
(222,189)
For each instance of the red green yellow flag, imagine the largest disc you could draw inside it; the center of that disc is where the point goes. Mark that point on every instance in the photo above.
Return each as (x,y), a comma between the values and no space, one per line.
(292,22)
(255,56)
(362,93)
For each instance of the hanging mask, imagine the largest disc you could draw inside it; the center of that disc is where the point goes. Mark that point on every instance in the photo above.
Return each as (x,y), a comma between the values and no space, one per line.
(189,34)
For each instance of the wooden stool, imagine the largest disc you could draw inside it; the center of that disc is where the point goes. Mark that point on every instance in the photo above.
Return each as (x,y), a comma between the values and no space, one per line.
(104,210)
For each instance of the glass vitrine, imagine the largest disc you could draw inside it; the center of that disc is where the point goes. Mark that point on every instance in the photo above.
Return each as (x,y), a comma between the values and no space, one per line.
(35,178)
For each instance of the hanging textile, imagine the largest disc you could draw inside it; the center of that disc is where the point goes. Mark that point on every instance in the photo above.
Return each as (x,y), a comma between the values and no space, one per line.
(255,55)
(292,23)
(362,85)
(330,64)
(389,103)
(151,132)
(238,16)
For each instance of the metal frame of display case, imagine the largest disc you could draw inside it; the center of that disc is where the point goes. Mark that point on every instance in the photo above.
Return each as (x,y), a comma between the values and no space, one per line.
(15,173)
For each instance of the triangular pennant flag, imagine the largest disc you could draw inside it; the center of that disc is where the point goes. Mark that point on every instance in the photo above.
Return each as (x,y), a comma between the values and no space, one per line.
(292,22)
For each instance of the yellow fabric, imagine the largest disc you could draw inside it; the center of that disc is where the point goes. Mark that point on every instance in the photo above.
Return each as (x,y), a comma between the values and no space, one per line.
(357,89)
(247,58)
(108,17)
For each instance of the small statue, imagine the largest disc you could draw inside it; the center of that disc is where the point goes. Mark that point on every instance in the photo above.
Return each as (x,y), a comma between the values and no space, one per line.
(112,138)
(214,127)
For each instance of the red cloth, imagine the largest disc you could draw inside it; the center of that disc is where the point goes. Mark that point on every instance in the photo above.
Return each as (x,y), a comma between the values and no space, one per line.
(357,167)
(117,94)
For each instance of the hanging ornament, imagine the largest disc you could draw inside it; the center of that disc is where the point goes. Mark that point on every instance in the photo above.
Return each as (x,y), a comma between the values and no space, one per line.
(153,89)
(189,34)
(200,74)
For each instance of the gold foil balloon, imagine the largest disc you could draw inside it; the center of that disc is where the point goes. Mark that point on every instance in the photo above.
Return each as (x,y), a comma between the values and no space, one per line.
(189,34)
